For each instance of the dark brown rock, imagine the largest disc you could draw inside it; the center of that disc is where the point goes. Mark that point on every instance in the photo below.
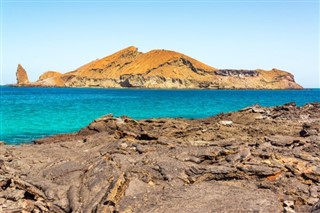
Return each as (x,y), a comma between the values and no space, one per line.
(280,140)
(316,207)
(170,165)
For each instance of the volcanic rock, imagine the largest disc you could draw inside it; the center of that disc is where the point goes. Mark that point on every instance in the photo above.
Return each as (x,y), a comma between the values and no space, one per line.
(226,123)
(163,69)
(22,76)
(118,164)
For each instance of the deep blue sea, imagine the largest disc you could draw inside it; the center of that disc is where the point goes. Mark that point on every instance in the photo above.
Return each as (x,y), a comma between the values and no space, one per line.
(29,113)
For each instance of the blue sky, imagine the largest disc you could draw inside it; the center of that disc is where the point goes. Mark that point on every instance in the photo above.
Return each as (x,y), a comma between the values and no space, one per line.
(63,35)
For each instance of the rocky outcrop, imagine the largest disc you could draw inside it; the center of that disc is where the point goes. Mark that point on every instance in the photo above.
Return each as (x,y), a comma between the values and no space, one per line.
(163,69)
(255,160)
(22,76)
(49,74)
(239,73)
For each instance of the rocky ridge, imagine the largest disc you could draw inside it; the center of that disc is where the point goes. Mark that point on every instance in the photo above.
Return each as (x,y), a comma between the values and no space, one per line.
(255,160)
(163,69)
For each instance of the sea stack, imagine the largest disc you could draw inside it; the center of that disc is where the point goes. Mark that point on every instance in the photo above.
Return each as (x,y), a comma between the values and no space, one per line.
(22,76)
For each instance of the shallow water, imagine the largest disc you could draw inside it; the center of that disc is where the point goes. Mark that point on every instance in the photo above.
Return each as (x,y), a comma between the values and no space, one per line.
(29,113)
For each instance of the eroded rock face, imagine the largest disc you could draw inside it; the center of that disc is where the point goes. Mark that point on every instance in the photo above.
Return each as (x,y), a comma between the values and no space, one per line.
(22,76)
(254,160)
(239,73)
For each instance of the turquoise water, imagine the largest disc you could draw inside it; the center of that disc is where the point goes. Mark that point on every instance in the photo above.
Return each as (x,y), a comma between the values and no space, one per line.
(29,113)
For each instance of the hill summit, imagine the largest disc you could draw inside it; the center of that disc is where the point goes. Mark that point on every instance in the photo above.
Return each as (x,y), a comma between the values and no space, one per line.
(163,69)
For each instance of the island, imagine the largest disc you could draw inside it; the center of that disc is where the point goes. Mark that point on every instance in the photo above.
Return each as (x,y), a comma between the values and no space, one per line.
(129,68)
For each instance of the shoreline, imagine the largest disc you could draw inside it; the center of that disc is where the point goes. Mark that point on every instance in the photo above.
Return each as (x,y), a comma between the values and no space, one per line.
(160,88)
(259,155)
(62,132)
(186,118)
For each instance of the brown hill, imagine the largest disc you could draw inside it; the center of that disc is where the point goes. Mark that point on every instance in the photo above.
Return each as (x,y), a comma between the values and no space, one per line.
(110,66)
(167,64)
(163,69)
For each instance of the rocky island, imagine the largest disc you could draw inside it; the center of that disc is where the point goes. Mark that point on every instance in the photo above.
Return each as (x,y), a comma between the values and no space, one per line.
(129,68)
(255,160)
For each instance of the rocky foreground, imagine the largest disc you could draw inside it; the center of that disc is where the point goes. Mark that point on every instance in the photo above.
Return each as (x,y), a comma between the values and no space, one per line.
(255,160)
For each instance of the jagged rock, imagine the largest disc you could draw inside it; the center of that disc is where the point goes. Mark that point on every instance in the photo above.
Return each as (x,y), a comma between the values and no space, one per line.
(316,207)
(288,209)
(280,140)
(314,191)
(307,130)
(13,195)
(22,76)
(239,73)
(304,133)
(170,165)
(313,173)
(288,203)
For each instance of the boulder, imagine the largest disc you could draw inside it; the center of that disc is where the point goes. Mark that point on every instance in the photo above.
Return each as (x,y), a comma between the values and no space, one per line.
(226,123)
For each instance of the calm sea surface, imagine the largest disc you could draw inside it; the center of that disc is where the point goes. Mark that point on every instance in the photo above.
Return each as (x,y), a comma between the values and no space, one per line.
(29,113)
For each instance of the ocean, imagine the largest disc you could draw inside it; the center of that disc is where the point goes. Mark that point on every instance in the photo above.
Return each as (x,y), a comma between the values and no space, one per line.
(30,113)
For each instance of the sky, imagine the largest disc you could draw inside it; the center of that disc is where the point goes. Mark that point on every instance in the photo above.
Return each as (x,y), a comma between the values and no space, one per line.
(63,35)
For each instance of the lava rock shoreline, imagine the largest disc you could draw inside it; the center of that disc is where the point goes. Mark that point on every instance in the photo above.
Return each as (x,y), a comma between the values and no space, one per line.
(255,160)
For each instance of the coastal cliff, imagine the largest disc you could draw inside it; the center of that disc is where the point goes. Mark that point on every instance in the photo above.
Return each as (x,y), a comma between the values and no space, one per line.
(255,160)
(129,68)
